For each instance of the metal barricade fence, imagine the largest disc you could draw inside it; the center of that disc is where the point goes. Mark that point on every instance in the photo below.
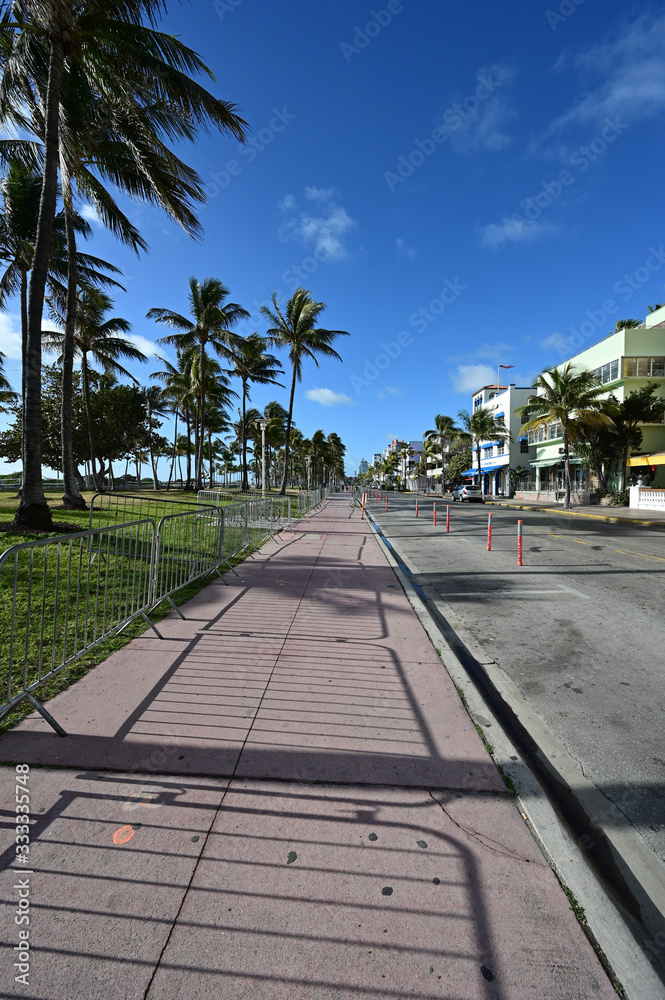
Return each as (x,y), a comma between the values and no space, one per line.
(189,547)
(118,508)
(63,596)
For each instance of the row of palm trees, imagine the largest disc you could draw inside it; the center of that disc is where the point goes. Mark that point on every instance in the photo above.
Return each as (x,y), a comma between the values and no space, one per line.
(95,91)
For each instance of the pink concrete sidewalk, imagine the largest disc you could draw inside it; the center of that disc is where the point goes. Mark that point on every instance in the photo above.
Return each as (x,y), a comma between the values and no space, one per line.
(310,811)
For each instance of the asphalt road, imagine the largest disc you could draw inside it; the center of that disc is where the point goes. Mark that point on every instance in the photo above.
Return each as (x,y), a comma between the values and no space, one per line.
(580,629)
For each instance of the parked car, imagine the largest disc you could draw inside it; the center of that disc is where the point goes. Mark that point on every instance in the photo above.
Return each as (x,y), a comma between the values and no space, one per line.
(469,493)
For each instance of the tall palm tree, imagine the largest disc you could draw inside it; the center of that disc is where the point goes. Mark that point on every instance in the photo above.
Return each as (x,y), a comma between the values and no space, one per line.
(481,426)
(209,325)
(21,190)
(444,434)
(567,396)
(98,338)
(295,330)
(252,363)
(106,42)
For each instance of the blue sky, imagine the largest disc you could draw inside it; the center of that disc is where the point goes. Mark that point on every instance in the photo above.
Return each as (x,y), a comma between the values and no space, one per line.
(462,184)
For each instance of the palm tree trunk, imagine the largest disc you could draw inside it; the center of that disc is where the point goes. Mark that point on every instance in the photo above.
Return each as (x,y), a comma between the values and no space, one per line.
(33,510)
(71,498)
(566,462)
(88,414)
(287,436)
(244,486)
(24,345)
(480,475)
(189,450)
(175,448)
(201,440)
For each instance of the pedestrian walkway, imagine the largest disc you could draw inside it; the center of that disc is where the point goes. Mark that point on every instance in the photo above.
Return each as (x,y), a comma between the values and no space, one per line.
(285,798)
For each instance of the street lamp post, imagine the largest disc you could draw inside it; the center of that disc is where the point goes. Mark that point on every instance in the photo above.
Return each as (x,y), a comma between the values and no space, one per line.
(264,424)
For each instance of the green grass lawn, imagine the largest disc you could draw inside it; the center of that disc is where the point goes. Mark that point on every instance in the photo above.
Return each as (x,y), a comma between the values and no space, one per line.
(74,592)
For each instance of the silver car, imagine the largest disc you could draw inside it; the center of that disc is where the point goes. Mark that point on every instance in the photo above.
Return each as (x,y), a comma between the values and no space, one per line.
(469,493)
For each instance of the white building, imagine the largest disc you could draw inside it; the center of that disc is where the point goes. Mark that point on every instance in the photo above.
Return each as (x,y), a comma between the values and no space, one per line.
(499,457)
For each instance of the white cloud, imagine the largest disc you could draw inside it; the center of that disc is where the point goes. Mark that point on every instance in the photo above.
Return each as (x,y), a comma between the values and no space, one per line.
(480,122)
(623,78)
(323,232)
(394,392)
(514,230)
(148,347)
(469,378)
(497,352)
(88,212)
(403,250)
(326,397)
(557,342)
(10,336)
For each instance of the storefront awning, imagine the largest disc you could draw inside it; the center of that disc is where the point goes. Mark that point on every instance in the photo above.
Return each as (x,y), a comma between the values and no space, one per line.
(485,468)
(656,458)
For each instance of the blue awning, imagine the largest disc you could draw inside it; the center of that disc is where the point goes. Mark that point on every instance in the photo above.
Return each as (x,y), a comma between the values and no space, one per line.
(487,445)
(524,437)
(493,468)
(499,414)
(469,472)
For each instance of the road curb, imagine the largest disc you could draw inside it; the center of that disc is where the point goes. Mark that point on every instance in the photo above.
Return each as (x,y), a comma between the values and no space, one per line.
(608,929)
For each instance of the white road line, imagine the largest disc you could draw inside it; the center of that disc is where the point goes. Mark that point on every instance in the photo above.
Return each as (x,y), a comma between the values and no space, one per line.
(571,590)
(512,593)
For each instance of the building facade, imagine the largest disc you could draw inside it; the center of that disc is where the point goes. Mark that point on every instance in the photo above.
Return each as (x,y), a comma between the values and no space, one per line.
(623,362)
(499,458)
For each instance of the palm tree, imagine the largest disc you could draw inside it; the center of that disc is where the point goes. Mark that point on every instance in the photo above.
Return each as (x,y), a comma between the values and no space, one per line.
(98,338)
(296,331)
(445,432)
(275,416)
(253,364)
(209,326)
(107,44)
(156,406)
(567,396)
(479,426)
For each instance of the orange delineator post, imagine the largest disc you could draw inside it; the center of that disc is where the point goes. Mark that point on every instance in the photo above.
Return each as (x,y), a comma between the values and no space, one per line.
(386,501)
(489,532)
(362,514)
(416,506)
(435,513)
(519,543)
(447,518)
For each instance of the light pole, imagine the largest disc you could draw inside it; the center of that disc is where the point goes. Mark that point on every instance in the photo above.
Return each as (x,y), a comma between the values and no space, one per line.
(264,424)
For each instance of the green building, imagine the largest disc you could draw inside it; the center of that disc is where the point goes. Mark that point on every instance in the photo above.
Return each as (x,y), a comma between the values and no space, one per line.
(623,362)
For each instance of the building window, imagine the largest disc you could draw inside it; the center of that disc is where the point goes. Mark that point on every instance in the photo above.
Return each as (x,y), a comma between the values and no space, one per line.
(525,417)
(477,403)
(524,447)
(608,372)
(500,448)
(644,367)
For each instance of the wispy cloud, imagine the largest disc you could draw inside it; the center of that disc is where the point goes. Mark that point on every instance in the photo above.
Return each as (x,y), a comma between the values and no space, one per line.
(623,77)
(88,212)
(469,378)
(147,347)
(321,228)
(498,352)
(326,397)
(394,391)
(515,230)
(481,122)
(403,250)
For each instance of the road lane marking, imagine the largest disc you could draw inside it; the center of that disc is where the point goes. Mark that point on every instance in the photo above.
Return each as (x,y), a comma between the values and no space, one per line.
(561,588)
